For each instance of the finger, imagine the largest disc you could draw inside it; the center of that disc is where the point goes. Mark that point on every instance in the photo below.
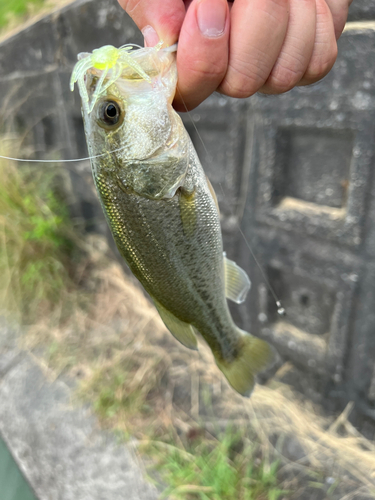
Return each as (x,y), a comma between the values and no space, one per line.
(202,55)
(325,47)
(258,29)
(164,16)
(339,10)
(297,49)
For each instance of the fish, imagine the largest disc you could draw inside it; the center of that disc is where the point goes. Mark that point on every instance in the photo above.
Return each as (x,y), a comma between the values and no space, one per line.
(160,206)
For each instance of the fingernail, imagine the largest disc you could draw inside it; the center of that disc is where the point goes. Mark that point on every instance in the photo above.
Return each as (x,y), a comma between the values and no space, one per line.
(211,16)
(150,36)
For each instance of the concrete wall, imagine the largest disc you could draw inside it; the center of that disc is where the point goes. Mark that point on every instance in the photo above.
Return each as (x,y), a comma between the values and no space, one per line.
(59,447)
(295,172)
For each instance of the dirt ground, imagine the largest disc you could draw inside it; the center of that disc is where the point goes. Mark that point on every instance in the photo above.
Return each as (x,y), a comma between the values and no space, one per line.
(143,383)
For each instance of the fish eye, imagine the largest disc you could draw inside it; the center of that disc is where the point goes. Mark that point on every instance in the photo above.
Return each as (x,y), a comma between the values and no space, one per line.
(110,114)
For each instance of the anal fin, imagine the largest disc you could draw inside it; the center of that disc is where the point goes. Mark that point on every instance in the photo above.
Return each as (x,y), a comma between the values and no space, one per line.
(182,331)
(237,282)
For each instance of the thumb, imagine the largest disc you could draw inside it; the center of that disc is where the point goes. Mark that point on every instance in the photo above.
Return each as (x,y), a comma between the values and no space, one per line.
(202,55)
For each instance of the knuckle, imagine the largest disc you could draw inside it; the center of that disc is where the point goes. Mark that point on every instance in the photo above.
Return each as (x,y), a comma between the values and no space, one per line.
(320,66)
(283,78)
(239,87)
(243,79)
(201,68)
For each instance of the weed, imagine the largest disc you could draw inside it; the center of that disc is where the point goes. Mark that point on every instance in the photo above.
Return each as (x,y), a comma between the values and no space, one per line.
(37,242)
(16,8)
(125,387)
(134,372)
(213,469)
(15,13)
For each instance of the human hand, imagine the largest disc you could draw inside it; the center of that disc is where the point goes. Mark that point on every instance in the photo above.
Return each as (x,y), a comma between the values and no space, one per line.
(243,47)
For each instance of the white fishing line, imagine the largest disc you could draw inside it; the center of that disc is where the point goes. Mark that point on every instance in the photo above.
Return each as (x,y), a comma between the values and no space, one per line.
(63,161)
(172,48)
(280,309)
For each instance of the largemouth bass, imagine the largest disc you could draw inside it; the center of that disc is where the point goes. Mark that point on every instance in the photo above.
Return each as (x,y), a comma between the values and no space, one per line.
(160,207)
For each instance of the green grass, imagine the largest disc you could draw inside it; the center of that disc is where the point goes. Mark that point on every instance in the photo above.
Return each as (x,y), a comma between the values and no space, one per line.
(10,9)
(221,468)
(130,369)
(118,392)
(194,466)
(127,391)
(37,243)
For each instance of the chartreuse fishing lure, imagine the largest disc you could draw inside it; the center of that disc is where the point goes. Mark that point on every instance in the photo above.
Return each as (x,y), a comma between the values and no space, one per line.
(105,59)
(160,207)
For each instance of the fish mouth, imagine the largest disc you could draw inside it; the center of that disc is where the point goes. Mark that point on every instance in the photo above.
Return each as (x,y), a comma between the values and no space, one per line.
(154,61)
(147,65)
(135,71)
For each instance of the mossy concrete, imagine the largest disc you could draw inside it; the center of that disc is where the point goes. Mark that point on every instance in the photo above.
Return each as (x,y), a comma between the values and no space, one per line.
(59,446)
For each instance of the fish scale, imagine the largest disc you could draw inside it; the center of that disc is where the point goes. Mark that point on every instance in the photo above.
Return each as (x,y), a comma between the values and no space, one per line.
(162,271)
(163,213)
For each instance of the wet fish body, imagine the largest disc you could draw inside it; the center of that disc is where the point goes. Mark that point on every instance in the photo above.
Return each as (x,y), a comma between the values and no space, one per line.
(163,213)
(180,264)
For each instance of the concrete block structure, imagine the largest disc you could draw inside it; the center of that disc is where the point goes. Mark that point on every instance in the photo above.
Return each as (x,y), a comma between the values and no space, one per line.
(293,175)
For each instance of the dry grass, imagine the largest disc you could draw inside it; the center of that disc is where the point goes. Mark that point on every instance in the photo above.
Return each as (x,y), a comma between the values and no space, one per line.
(143,383)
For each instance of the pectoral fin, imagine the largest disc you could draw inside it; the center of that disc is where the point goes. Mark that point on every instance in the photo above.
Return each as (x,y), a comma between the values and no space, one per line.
(182,331)
(212,191)
(237,282)
(188,212)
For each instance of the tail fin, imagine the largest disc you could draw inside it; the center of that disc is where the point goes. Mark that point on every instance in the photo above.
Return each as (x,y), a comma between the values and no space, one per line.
(254,355)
